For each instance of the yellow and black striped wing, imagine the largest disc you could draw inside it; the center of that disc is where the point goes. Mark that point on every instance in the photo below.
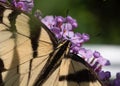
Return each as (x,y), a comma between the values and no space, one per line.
(25,46)
(66,69)
(74,71)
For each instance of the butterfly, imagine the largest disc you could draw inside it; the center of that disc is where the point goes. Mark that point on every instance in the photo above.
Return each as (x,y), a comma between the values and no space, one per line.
(30,55)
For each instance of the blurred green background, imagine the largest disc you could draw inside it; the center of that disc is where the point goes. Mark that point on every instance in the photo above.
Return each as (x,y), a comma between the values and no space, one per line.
(99,18)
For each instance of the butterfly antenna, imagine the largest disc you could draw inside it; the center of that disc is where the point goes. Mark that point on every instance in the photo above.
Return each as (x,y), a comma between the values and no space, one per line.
(99,34)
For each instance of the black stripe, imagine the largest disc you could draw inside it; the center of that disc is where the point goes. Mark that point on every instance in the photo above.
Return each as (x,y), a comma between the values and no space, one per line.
(1,70)
(12,18)
(79,76)
(51,35)
(34,36)
(82,75)
(35,32)
(2,9)
(78,59)
(51,64)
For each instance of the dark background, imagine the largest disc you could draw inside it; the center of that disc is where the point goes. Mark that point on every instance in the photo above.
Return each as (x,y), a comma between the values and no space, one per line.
(99,18)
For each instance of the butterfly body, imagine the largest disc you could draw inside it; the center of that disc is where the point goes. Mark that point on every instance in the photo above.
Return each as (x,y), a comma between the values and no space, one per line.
(30,55)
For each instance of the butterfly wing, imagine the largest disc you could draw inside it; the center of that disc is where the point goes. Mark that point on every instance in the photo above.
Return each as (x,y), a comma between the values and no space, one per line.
(76,72)
(73,71)
(68,70)
(25,45)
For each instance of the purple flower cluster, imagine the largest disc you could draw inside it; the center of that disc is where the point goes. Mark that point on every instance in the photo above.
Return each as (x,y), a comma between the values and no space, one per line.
(63,30)
(61,27)
(116,82)
(25,5)
(95,59)
(105,77)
